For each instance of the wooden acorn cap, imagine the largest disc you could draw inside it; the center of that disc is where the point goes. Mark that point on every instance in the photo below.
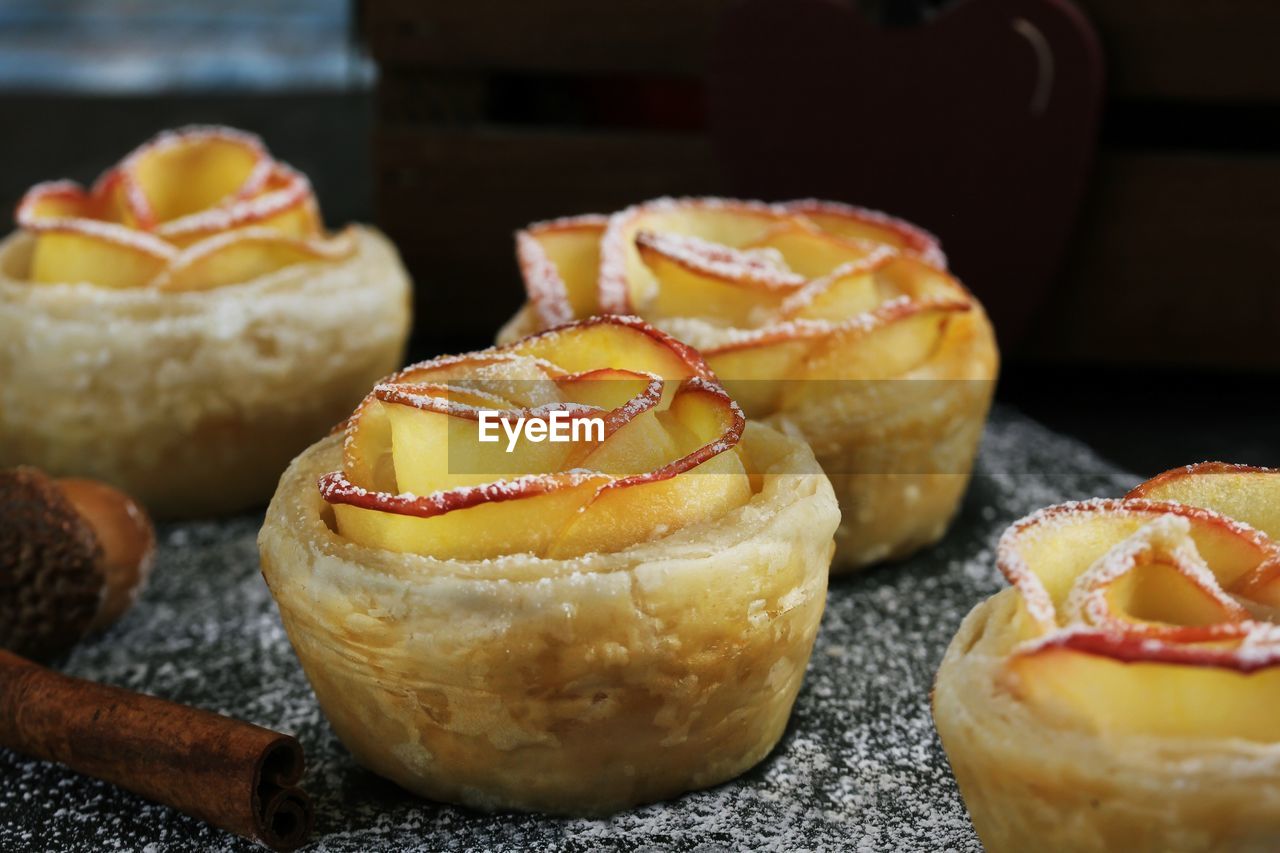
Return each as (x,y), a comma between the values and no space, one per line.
(73,555)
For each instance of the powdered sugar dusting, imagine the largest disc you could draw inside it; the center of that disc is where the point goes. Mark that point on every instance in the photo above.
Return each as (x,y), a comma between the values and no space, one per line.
(762,267)
(859,767)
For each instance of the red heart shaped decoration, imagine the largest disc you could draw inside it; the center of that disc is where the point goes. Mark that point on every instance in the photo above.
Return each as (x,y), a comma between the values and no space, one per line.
(979,125)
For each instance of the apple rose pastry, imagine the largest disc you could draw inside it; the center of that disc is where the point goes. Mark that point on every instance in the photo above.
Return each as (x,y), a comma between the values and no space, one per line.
(185,326)
(809,311)
(1122,694)
(570,627)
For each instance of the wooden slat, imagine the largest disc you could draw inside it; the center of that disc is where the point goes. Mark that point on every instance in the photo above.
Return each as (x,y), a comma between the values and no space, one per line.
(1176,262)
(451,199)
(415,96)
(658,36)
(1193,49)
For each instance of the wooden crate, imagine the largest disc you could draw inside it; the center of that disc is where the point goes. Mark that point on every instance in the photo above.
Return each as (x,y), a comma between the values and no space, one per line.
(492,114)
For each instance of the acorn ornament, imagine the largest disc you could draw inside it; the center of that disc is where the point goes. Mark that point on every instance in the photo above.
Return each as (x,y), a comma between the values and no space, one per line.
(74,554)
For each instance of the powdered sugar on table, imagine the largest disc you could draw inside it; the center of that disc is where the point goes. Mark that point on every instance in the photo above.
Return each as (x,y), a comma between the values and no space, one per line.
(860,767)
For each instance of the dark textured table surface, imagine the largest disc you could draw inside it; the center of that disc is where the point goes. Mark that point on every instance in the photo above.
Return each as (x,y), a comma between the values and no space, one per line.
(860,767)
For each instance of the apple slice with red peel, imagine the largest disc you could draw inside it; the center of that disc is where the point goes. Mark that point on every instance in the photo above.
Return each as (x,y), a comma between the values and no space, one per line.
(891,342)
(560,262)
(399,490)
(849,290)
(1110,691)
(438,448)
(625,282)
(284,204)
(246,254)
(697,278)
(1242,492)
(48,204)
(507,517)
(1045,554)
(1155,584)
(810,251)
(703,484)
(610,388)
(860,223)
(183,172)
(756,368)
(613,339)
(101,253)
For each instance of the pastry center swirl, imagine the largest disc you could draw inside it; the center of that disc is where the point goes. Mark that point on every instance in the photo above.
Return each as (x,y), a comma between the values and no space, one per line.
(420,475)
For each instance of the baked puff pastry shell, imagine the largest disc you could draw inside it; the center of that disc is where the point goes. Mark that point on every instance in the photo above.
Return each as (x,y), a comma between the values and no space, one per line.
(576,685)
(1123,695)
(187,355)
(810,312)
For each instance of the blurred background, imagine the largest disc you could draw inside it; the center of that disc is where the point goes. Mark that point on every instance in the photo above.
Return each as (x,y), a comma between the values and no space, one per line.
(1105,174)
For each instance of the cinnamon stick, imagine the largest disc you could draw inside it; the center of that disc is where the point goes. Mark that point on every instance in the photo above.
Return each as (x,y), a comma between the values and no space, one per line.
(230,773)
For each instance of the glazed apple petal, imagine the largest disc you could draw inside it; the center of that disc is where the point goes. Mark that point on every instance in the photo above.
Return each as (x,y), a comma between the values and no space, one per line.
(413,449)
(99,253)
(49,204)
(860,223)
(179,173)
(246,254)
(811,252)
(625,282)
(614,341)
(696,277)
(1140,617)
(1047,553)
(1107,683)
(522,515)
(1155,583)
(560,261)
(283,203)
(164,217)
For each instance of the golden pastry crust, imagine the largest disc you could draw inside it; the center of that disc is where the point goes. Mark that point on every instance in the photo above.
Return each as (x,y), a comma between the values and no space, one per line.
(1049,784)
(577,686)
(192,401)
(1121,695)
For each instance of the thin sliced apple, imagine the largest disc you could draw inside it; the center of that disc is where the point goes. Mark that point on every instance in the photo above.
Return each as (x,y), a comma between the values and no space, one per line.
(101,253)
(435,450)
(613,340)
(560,262)
(508,517)
(284,203)
(860,223)
(701,279)
(1242,492)
(1044,555)
(610,388)
(366,448)
(891,342)
(700,486)
(1155,584)
(183,172)
(47,204)
(412,449)
(625,282)
(1116,694)
(810,251)
(243,255)
(849,290)
(757,368)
